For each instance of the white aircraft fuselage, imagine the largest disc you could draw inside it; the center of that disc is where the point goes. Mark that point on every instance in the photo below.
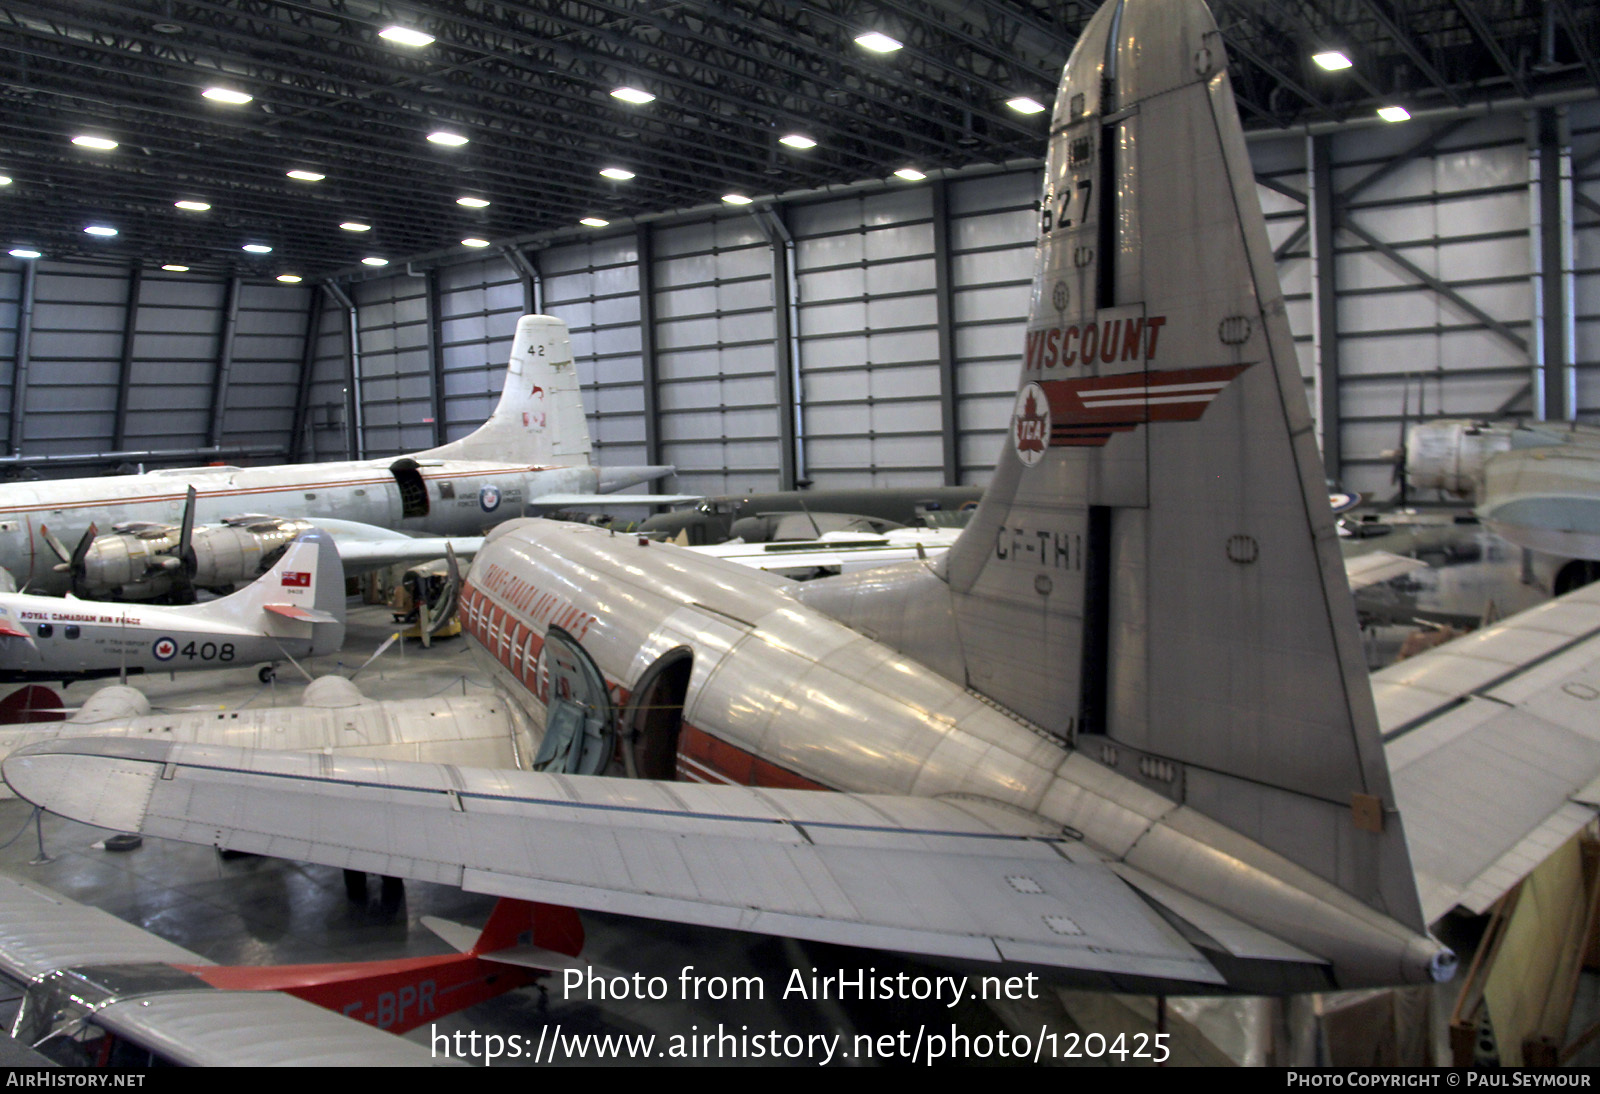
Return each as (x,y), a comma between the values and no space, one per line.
(295,609)
(463,497)
(535,445)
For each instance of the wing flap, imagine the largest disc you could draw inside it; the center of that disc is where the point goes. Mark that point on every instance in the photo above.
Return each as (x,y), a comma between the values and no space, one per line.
(909,874)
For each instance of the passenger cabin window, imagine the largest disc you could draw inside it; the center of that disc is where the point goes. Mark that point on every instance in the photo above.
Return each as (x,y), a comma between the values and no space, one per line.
(73,631)
(46,630)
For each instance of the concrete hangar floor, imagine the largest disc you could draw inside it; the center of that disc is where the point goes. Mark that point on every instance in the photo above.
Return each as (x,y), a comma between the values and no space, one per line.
(257,911)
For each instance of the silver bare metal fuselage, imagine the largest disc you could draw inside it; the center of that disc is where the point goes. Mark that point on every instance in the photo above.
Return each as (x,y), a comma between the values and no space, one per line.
(782,695)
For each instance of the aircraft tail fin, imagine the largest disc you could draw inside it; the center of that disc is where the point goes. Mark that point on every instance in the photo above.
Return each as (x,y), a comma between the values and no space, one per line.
(540,417)
(1153,571)
(302,595)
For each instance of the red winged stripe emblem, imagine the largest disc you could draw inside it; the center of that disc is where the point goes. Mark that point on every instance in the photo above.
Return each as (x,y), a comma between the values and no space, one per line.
(1084,413)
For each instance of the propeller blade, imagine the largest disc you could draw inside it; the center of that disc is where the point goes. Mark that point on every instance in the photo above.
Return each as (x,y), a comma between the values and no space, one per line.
(55,544)
(183,575)
(442,610)
(80,573)
(376,654)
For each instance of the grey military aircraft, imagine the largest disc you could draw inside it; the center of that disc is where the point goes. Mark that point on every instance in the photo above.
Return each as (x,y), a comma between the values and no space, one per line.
(533,453)
(1120,734)
(295,609)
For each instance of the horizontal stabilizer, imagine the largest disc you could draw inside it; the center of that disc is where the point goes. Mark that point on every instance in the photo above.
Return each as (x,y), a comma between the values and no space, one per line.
(1376,567)
(305,615)
(464,938)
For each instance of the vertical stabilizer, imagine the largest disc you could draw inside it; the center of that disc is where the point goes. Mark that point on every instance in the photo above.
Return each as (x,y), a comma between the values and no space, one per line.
(302,596)
(540,418)
(1153,571)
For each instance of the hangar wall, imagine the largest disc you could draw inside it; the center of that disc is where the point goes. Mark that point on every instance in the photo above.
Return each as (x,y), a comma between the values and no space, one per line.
(842,337)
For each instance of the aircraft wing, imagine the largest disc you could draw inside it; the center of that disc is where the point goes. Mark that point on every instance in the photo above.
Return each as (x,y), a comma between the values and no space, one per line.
(947,878)
(366,546)
(69,954)
(1378,566)
(1493,743)
(611,501)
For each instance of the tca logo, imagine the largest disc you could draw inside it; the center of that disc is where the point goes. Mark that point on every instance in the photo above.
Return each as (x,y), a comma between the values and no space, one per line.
(1030,424)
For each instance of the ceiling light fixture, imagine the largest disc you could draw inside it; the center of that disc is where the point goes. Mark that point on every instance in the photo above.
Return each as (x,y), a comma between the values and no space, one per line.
(796,140)
(258,248)
(374,260)
(1332,59)
(1024,105)
(633,95)
(191,206)
(101,144)
(1394,113)
(737,199)
(473,203)
(289,279)
(474,242)
(173,267)
(447,138)
(5,180)
(405,36)
(910,174)
(101,230)
(877,41)
(621,174)
(355,226)
(226,95)
(306,176)
(23,252)
(594,222)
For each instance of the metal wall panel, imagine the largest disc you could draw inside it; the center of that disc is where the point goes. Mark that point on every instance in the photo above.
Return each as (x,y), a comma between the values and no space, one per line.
(712,298)
(396,380)
(868,340)
(70,404)
(1584,119)
(479,304)
(328,421)
(268,347)
(594,287)
(993,220)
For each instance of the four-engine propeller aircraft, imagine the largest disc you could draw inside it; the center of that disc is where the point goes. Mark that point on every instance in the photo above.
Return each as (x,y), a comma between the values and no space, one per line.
(532,453)
(295,609)
(1121,734)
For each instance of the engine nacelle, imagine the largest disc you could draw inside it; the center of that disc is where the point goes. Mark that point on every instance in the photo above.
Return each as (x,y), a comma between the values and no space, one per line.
(142,561)
(1449,455)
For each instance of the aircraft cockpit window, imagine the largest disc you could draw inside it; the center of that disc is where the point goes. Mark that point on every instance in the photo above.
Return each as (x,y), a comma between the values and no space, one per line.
(45,630)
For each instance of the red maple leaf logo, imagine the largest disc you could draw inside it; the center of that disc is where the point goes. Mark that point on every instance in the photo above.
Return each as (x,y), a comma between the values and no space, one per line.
(1030,427)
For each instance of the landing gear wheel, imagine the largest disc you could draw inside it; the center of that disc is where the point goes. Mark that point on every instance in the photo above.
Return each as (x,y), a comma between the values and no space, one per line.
(265,673)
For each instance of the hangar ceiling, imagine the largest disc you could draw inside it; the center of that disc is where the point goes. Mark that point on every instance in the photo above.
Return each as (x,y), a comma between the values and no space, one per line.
(530,88)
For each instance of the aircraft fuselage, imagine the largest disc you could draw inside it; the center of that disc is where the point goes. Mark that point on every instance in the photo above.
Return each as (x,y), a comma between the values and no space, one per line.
(775,694)
(448,497)
(91,638)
